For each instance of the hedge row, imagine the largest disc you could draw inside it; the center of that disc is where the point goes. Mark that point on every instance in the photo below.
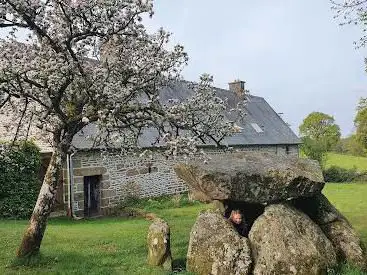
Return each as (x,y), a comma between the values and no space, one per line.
(19,181)
(339,174)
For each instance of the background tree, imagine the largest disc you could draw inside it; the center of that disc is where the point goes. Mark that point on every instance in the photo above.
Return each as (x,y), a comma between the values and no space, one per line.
(360,122)
(313,150)
(350,145)
(94,62)
(321,128)
(319,134)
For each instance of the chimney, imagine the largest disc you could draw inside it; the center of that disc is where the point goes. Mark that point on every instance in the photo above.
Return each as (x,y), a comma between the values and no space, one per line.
(237,86)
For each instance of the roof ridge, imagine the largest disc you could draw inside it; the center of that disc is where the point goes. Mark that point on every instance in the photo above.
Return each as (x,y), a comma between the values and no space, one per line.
(184,81)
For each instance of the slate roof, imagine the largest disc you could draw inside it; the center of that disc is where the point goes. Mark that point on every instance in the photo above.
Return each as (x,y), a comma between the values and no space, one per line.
(7,133)
(273,129)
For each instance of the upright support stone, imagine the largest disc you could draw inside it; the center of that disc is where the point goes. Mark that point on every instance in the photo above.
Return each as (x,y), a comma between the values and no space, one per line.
(159,250)
(216,248)
(219,206)
(348,245)
(286,241)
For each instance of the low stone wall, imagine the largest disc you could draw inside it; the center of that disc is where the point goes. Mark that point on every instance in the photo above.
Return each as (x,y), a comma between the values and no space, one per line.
(124,175)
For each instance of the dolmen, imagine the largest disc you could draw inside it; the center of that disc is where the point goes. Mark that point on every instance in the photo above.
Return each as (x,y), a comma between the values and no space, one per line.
(294,229)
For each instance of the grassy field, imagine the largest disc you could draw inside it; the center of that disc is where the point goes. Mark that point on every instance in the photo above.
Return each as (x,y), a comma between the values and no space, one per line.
(350,199)
(101,246)
(118,245)
(346,161)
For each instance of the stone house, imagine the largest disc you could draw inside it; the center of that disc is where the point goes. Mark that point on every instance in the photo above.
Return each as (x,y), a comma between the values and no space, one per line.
(93,182)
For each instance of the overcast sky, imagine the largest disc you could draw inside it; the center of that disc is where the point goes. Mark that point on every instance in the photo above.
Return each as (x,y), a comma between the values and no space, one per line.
(292,53)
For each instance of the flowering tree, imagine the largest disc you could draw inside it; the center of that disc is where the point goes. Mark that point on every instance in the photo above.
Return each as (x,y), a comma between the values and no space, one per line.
(94,62)
(352,12)
(355,12)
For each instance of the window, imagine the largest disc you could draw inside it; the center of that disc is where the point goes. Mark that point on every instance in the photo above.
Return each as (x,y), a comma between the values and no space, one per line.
(257,128)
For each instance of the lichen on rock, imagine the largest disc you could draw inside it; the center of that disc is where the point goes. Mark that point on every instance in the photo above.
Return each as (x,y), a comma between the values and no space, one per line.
(252,178)
(216,248)
(158,240)
(286,241)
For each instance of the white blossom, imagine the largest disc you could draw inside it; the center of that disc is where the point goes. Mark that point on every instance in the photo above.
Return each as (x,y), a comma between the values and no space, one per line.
(93,62)
(85,120)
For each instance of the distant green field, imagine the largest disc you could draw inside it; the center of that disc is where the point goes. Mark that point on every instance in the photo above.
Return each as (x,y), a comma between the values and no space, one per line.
(346,161)
(350,199)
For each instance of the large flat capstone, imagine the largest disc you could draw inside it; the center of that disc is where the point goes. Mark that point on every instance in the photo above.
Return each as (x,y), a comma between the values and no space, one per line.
(252,177)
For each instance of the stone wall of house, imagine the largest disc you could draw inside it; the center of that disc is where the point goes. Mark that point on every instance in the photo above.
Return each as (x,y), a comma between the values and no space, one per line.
(128,175)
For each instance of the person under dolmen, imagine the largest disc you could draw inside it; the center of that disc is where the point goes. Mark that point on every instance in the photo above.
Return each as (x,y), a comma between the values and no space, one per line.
(239,223)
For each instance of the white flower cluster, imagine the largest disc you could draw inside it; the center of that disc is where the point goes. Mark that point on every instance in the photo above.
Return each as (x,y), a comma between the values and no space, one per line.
(352,12)
(93,62)
(204,115)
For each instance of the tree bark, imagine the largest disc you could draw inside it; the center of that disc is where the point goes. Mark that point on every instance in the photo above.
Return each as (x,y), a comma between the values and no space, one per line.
(33,235)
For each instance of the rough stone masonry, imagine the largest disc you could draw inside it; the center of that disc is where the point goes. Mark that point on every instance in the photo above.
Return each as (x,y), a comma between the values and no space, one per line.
(120,175)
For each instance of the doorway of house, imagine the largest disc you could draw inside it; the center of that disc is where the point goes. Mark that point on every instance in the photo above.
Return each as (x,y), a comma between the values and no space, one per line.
(91,196)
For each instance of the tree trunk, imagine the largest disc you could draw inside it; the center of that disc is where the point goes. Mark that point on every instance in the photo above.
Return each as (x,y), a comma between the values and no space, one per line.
(33,235)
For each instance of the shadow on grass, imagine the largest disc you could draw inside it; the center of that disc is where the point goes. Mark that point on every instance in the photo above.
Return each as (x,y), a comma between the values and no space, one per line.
(179,265)
(68,262)
(37,260)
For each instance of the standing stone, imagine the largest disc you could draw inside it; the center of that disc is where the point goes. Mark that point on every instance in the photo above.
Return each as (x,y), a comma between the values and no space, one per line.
(159,250)
(318,208)
(219,206)
(347,243)
(252,177)
(349,247)
(345,239)
(216,248)
(286,241)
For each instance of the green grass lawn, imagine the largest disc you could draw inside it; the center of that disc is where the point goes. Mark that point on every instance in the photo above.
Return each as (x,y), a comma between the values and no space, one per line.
(101,246)
(118,245)
(346,161)
(350,199)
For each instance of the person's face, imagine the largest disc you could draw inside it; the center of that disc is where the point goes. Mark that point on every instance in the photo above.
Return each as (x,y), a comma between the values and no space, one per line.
(237,218)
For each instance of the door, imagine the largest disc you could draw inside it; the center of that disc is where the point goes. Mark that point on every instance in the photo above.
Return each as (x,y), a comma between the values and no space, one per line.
(91,196)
